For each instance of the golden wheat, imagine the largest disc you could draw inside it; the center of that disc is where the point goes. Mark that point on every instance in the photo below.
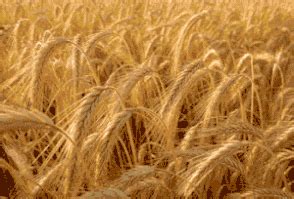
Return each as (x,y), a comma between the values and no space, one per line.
(147,99)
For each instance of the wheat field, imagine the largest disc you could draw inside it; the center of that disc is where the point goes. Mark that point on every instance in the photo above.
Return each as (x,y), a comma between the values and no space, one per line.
(147,99)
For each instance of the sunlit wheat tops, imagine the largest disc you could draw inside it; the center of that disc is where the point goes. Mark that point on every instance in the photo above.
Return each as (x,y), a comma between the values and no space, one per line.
(147,99)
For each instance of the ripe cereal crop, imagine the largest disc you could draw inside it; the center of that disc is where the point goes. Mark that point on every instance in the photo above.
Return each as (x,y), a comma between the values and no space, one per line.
(147,99)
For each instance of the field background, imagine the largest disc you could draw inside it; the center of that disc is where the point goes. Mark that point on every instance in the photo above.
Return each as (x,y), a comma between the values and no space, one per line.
(147,99)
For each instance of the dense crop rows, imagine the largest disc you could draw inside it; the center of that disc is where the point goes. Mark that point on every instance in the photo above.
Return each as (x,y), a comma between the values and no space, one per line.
(147,99)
